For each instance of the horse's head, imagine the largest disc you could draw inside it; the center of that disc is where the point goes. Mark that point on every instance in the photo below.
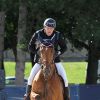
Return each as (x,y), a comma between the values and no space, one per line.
(47,60)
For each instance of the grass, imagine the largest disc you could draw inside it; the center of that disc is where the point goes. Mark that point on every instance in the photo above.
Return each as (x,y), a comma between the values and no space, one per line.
(10,68)
(76,71)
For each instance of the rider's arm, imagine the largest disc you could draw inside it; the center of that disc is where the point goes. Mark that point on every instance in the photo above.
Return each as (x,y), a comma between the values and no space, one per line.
(32,43)
(62,44)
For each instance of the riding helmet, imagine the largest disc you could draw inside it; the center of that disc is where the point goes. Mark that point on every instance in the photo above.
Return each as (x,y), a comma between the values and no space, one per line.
(50,22)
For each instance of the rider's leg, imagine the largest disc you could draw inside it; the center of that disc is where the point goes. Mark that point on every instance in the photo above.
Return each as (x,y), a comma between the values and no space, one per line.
(33,72)
(62,73)
(66,93)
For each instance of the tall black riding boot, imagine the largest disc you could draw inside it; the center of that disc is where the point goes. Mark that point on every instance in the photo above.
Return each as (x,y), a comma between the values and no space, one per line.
(66,94)
(28,91)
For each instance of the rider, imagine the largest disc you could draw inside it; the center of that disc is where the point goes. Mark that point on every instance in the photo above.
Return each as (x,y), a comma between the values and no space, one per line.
(46,33)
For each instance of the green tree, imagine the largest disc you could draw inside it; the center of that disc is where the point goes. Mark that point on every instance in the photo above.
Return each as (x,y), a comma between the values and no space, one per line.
(11,25)
(77,20)
(86,28)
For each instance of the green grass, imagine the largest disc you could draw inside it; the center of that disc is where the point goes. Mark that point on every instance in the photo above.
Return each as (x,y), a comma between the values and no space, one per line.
(10,68)
(76,71)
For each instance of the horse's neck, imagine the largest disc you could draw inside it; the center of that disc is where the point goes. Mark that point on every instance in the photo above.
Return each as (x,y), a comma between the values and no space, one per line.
(54,69)
(54,66)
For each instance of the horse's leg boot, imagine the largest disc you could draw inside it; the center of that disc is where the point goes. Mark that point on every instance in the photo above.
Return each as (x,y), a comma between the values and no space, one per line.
(28,91)
(66,94)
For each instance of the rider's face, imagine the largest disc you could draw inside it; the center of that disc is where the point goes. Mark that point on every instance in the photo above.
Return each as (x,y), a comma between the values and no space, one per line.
(48,30)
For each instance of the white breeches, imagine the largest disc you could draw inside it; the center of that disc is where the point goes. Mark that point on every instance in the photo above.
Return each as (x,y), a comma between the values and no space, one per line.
(60,70)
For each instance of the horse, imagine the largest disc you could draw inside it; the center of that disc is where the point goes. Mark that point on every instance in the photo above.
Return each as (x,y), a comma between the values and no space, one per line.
(47,84)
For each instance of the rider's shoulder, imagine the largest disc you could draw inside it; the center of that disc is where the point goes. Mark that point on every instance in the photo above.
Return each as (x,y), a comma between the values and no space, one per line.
(39,31)
(57,32)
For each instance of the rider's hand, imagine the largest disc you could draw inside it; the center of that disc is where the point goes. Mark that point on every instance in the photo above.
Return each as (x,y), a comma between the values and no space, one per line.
(58,53)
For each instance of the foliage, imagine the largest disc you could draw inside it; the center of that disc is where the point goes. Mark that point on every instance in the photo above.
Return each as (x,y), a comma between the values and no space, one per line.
(88,20)
(77,17)
(2,5)
(11,23)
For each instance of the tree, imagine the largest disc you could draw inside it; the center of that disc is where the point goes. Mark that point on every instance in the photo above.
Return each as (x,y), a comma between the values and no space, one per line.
(11,25)
(79,18)
(2,25)
(2,72)
(87,23)
(20,64)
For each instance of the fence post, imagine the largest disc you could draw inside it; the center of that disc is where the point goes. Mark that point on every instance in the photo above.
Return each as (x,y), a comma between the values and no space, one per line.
(3,95)
(2,79)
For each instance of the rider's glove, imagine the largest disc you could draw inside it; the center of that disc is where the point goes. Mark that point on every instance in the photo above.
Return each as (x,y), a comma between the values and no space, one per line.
(58,53)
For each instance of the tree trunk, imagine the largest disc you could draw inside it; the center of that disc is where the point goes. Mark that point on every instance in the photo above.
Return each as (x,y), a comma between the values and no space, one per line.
(20,64)
(92,68)
(2,72)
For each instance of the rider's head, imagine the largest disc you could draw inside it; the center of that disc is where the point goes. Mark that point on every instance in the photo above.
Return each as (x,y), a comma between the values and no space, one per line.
(49,26)
(50,22)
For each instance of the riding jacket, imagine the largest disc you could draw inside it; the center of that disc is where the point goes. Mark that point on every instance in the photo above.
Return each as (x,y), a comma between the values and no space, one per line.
(59,43)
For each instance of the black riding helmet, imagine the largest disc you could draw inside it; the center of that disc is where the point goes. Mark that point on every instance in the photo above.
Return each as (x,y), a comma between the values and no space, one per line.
(50,22)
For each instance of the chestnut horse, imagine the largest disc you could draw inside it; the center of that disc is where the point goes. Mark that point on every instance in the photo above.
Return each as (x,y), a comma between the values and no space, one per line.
(47,84)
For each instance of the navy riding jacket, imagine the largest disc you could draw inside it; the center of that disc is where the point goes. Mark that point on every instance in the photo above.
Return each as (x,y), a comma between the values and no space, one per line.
(59,43)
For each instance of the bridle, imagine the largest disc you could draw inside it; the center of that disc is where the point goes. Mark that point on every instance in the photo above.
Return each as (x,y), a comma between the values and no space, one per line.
(45,64)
